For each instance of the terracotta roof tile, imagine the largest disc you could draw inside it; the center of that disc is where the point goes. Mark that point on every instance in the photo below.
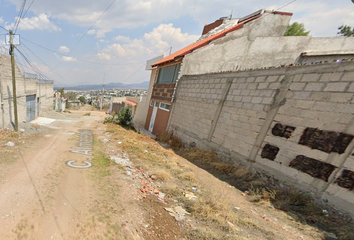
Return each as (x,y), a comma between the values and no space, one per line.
(130,102)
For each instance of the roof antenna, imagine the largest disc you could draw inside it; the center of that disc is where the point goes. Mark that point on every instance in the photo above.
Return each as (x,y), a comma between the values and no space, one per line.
(233,11)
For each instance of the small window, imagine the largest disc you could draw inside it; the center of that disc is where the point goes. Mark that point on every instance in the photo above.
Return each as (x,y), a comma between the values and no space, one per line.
(165,106)
(168,74)
(156,104)
(151,103)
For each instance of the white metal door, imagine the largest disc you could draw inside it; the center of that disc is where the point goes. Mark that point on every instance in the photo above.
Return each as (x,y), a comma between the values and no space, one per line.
(153,116)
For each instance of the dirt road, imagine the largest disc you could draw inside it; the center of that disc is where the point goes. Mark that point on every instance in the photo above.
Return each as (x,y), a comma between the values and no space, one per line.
(44,198)
(131,187)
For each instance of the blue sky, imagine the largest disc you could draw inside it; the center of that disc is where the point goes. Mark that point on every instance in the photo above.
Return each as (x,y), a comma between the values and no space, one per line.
(133,31)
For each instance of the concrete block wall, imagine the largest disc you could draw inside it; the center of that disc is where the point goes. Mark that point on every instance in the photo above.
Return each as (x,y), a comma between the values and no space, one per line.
(295,123)
(7,110)
(45,94)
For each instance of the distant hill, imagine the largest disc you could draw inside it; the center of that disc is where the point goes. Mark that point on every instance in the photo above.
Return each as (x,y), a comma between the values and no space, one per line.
(143,85)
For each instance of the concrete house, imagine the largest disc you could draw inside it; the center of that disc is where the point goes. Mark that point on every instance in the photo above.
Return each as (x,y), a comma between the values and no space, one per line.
(168,69)
(280,104)
(34,95)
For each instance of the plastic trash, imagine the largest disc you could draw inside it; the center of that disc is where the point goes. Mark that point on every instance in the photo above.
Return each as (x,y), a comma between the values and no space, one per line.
(10,144)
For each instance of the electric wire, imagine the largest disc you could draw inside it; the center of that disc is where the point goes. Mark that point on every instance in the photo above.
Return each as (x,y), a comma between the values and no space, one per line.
(24,45)
(39,72)
(85,34)
(78,59)
(34,68)
(4,28)
(27,9)
(18,20)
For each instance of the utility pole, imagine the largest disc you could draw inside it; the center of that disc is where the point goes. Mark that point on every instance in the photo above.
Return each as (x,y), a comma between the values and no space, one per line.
(13,79)
(104,78)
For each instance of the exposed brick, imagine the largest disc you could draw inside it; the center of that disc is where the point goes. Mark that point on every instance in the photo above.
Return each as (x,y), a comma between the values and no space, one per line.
(349,76)
(261,79)
(331,77)
(314,86)
(341,97)
(263,85)
(313,167)
(269,152)
(336,87)
(256,100)
(297,86)
(312,77)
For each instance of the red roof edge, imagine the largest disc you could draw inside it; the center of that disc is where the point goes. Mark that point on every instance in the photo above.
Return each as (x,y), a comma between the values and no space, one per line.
(130,102)
(283,13)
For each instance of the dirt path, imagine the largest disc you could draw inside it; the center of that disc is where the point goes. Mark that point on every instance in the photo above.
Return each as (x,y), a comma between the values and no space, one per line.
(43,198)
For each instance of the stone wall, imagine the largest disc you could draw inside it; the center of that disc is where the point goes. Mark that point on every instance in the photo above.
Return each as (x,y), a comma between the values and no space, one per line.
(295,123)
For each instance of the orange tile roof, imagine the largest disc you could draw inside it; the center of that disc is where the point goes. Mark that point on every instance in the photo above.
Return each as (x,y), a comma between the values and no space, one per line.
(204,42)
(130,102)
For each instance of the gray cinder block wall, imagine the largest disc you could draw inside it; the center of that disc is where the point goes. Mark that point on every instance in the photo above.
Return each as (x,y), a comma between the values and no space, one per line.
(6,108)
(295,123)
(42,89)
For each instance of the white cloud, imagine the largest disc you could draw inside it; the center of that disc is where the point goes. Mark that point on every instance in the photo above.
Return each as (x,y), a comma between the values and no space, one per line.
(104,56)
(122,39)
(64,49)
(92,31)
(159,40)
(69,59)
(40,22)
(323,19)
(101,33)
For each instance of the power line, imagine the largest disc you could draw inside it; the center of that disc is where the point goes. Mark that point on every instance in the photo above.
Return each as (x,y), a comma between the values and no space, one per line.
(18,20)
(4,28)
(28,9)
(46,65)
(85,34)
(133,73)
(80,60)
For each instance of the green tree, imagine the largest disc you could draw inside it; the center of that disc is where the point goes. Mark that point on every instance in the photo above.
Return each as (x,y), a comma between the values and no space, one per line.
(296,29)
(70,95)
(61,90)
(82,99)
(125,116)
(345,31)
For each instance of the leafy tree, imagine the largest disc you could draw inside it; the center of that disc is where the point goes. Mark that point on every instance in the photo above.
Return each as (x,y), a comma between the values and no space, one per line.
(345,31)
(125,116)
(82,99)
(296,29)
(61,90)
(70,95)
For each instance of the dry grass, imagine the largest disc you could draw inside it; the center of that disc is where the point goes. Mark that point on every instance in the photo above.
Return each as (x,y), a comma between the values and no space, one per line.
(162,174)
(217,219)
(188,176)
(199,155)
(173,140)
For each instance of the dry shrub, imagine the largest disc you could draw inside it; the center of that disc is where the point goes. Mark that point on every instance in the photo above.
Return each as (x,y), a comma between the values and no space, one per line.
(199,155)
(257,194)
(162,175)
(215,210)
(14,135)
(189,176)
(224,168)
(172,190)
(287,198)
(174,141)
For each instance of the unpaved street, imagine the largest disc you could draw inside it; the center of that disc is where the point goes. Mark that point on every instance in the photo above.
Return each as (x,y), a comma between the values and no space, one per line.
(43,198)
(133,187)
